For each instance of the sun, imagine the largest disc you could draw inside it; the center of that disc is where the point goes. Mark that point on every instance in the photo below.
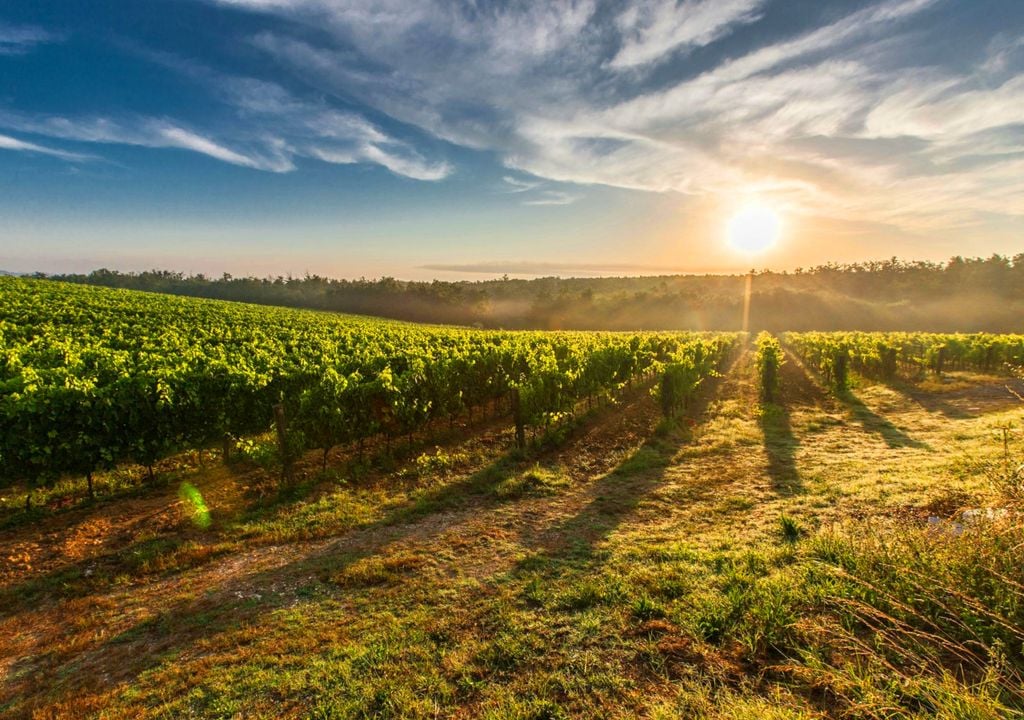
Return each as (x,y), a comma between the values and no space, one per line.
(753,229)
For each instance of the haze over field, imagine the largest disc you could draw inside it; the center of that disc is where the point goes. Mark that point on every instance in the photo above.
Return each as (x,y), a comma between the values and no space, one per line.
(972,294)
(455,140)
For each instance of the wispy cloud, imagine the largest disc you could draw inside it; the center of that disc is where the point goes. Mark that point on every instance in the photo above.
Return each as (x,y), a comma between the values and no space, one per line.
(653,29)
(538,192)
(849,113)
(20,39)
(144,132)
(546,94)
(274,128)
(515,185)
(400,161)
(9,143)
(310,128)
(170,136)
(553,197)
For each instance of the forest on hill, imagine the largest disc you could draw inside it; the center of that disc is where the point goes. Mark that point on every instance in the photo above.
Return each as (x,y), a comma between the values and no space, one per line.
(963,294)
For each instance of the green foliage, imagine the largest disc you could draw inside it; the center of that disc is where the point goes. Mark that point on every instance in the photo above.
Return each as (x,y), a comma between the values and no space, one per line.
(790,528)
(439,462)
(829,353)
(928,619)
(263,454)
(769,359)
(687,368)
(91,377)
(644,607)
(537,481)
(909,356)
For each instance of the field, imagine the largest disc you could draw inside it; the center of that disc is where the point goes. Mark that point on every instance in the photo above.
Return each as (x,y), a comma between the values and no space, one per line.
(659,525)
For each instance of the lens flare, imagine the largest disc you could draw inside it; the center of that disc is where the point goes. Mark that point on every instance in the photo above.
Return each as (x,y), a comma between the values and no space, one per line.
(193,500)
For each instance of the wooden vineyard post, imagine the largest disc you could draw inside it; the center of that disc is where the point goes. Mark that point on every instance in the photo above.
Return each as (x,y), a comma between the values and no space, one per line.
(517,415)
(282,442)
(226,450)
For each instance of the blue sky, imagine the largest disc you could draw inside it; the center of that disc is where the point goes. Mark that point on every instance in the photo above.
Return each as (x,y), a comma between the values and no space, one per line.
(466,139)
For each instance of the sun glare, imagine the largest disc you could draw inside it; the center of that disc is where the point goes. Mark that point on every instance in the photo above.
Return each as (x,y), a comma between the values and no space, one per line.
(753,229)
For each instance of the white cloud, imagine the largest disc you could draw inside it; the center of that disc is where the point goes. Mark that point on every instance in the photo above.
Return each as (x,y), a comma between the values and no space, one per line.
(538,107)
(286,127)
(653,29)
(276,129)
(947,109)
(535,192)
(186,140)
(749,71)
(516,185)
(9,143)
(20,39)
(145,132)
(408,164)
(835,119)
(538,87)
(553,197)
(319,131)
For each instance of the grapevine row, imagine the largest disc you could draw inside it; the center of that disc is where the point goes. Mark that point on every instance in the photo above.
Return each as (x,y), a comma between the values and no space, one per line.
(903,355)
(93,377)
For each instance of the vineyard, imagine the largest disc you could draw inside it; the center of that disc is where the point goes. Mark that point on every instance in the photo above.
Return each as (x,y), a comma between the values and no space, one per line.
(905,356)
(419,521)
(90,378)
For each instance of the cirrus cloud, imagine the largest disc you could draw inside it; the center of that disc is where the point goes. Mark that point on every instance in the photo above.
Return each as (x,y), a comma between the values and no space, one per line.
(21,39)
(554,91)
(844,110)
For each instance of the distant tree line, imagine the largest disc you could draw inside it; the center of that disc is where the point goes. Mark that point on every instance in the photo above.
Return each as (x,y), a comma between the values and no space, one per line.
(963,294)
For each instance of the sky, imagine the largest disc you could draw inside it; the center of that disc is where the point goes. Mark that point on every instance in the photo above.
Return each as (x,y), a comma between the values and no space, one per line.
(469,139)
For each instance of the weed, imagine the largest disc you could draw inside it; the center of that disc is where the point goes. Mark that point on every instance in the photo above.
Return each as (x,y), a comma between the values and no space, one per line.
(790,528)
(378,571)
(261,453)
(439,462)
(537,480)
(644,608)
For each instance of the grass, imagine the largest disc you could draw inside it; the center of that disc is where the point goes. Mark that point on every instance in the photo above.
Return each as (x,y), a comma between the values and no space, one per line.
(535,481)
(631,571)
(790,528)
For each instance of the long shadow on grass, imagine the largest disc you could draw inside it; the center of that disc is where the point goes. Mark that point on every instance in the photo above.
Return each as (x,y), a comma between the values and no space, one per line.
(240,600)
(929,401)
(871,421)
(231,604)
(932,403)
(97,573)
(981,395)
(780,446)
(797,389)
(616,495)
